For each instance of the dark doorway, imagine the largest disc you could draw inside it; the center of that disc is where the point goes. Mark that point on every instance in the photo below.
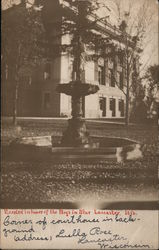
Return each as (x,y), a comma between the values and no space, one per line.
(101,75)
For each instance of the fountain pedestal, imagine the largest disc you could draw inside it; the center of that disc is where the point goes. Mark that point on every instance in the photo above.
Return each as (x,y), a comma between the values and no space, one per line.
(76,134)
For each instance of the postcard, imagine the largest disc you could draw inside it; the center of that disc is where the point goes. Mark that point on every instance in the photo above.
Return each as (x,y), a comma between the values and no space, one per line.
(79,118)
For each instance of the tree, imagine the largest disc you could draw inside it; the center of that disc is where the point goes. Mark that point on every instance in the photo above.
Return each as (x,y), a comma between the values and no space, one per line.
(22,29)
(133,24)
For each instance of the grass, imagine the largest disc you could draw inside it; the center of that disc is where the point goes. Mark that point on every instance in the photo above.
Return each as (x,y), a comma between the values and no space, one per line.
(67,181)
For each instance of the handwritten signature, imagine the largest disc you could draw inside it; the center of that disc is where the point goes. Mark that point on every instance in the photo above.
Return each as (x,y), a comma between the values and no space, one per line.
(110,240)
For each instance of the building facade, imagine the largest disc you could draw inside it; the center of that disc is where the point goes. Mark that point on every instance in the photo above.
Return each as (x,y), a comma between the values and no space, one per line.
(37,95)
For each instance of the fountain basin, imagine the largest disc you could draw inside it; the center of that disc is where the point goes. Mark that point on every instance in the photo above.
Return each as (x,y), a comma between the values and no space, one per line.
(48,148)
(77,88)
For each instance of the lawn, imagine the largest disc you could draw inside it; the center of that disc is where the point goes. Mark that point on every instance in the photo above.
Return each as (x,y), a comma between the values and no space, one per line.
(81,182)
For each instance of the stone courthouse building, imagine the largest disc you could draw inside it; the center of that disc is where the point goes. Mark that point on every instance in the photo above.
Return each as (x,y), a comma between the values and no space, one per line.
(38,96)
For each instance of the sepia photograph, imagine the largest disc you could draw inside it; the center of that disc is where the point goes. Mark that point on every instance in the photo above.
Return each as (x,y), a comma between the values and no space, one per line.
(79,109)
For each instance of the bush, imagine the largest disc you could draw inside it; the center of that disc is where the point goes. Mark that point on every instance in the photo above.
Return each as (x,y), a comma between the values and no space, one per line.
(139,113)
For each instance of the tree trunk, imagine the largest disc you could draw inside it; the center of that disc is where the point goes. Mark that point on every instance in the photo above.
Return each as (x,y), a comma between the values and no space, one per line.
(15,103)
(127,111)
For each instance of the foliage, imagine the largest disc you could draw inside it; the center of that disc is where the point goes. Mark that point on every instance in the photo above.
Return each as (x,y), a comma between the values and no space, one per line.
(152,78)
(21,29)
(75,22)
(138,112)
(144,105)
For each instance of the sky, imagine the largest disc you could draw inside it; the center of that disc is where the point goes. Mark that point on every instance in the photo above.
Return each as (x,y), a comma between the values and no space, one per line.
(150,54)
(139,8)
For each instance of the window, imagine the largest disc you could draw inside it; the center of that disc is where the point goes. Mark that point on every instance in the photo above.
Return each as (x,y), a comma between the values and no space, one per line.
(112,106)
(46,100)
(102,104)
(120,80)
(101,75)
(121,107)
(111,79)
(47,71)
